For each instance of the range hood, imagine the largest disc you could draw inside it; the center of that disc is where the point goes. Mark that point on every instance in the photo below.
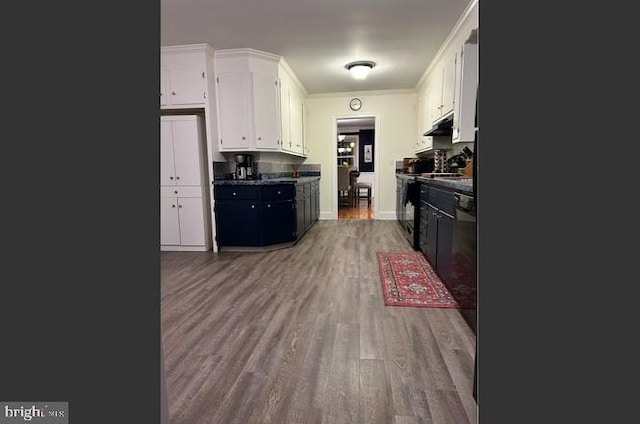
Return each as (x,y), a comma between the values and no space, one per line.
(444,127)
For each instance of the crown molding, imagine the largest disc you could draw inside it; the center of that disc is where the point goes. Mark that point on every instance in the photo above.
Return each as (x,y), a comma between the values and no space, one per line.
(363,93)
(461,21)
(247,52)
(187,48)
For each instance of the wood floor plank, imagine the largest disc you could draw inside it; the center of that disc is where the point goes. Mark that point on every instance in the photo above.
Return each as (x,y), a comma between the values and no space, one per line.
(375,393)
(372,343)
(302,335)
(342,396)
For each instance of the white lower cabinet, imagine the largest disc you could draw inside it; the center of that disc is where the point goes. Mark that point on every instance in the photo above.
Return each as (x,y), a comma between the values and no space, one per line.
(183,219)
(182,222)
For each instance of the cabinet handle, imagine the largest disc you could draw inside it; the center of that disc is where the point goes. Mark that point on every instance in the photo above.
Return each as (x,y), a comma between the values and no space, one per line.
(173,92)
(234,193)
(177,178)
(253,206)
(243,137)
(171,178)
(175,191)
(180,206)
(269,205)
(279,192)
(173,206)
(259,138)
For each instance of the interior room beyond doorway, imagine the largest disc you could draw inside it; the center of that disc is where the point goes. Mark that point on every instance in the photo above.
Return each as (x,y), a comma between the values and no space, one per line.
(356,167)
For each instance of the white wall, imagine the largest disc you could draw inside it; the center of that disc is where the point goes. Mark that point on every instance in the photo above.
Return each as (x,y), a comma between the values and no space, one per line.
(397,129)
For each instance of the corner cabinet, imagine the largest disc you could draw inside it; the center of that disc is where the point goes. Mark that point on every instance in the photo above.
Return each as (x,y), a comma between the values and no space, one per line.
(247,110)
(256,104)
(184,200)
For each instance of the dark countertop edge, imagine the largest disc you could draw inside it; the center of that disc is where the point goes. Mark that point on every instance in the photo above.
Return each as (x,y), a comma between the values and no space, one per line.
(268,181)
(407,176)
(463,186)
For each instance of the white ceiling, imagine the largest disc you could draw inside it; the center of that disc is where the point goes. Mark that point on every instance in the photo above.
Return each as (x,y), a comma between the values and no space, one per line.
(318,37)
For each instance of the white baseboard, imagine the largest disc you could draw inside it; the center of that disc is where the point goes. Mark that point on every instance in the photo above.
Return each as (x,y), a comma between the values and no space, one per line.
(184,248)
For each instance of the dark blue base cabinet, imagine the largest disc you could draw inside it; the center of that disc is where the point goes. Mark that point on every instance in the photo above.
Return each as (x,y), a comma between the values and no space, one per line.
(438,248)
(263,215)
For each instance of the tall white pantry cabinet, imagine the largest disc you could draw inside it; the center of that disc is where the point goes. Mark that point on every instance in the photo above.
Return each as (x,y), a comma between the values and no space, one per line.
(185,222)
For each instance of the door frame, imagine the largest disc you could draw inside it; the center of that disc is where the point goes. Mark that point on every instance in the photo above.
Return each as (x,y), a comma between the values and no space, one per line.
(376,158)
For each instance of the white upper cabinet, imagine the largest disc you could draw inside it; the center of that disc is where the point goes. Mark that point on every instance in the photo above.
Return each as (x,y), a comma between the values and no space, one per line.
(465,92)
(292,112)
(265,111)
(247,100)
(285,112)
(183,79)
(442,89)
(186,86)
(233,110)
(260,105)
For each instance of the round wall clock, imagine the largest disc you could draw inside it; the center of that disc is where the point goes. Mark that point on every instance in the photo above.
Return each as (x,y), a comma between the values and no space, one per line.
(355,103)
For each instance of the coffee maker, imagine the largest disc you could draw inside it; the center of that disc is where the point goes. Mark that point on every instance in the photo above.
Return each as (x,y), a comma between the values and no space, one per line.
(244,167)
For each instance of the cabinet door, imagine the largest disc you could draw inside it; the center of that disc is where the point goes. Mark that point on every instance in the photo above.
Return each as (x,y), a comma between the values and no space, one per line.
(435,92)
(307,206)
(285,108)
(444,262)
(265,111)
(167,167)
(432,235)
(233,110)
(169,227)
(466,85)
(422,229)
(299,211)
(186,152)
(278,222)
(448,84)
(191,218)
(237,223)
(296,122)
(187,86)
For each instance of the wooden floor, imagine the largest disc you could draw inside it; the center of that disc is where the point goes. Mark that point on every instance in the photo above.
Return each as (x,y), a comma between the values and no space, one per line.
(361,210)
(302,336)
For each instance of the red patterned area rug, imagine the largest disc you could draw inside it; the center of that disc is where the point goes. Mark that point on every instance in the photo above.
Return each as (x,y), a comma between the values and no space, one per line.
(408,280)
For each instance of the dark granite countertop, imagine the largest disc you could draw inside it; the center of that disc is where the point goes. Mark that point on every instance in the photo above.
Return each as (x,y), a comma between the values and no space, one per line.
(464,184)
(268,181)
(406,176)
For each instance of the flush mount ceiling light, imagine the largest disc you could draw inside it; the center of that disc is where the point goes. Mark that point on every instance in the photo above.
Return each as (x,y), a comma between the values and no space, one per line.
(360,69)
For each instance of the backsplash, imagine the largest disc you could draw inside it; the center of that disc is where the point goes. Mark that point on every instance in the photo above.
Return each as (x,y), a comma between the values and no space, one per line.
(266,169)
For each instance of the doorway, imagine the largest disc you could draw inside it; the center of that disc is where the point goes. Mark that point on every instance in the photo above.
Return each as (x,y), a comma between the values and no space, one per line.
(355,156)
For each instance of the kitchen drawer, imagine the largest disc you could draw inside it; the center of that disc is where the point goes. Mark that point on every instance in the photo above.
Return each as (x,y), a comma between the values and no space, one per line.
(180,191)
(278,192)
(442,199)
(230,192)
